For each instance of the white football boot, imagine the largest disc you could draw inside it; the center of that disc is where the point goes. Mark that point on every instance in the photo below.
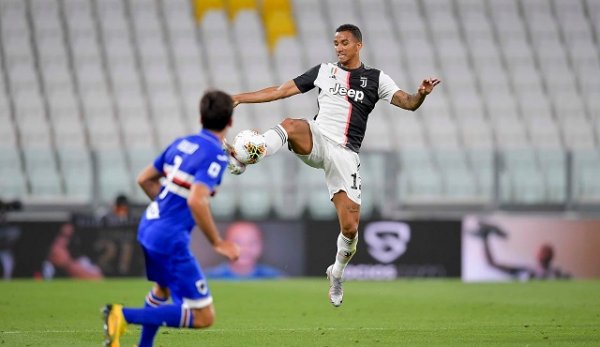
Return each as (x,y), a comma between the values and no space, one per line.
(235,167)
(336,292)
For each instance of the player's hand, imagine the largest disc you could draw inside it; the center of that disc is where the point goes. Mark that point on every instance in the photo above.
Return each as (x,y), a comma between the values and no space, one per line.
(235,103)
(228,249)
(427,85)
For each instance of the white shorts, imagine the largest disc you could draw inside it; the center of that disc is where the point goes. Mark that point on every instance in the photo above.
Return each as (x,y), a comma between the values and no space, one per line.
(340,164)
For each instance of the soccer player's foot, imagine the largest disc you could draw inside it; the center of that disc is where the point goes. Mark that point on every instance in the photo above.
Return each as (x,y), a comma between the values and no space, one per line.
(336,292)
(114,324)
(235,166)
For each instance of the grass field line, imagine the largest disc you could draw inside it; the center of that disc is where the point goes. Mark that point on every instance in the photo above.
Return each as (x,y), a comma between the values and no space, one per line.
(48,331)
(16,332)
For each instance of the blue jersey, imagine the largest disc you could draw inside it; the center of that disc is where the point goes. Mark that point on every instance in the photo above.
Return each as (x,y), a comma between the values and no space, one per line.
(168,222)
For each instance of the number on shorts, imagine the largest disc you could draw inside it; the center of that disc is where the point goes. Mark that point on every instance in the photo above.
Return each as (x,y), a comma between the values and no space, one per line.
(354,183)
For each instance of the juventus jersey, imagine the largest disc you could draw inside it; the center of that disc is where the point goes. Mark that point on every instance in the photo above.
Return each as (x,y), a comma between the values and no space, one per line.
(346,98)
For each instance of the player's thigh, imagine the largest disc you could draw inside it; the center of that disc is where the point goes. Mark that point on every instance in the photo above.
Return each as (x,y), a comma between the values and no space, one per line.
(319,150)
(299,135)
(342,172)
(157,268)
(189,286)
(344,183)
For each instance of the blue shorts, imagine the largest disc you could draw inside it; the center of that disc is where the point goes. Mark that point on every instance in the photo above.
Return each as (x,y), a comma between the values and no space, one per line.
(181,273)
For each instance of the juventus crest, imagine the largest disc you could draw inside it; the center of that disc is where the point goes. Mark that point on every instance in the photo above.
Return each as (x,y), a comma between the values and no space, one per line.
(363,82)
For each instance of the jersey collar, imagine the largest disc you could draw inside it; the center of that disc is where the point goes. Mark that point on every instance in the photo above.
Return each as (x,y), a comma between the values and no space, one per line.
(350,70)
(210,135)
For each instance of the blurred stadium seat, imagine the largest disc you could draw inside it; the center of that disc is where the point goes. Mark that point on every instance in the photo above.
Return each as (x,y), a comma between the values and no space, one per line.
(97,88)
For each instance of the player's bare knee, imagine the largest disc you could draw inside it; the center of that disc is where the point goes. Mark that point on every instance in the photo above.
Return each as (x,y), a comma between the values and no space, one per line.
(203,323)
(349,228)
(203,318)
(293,126)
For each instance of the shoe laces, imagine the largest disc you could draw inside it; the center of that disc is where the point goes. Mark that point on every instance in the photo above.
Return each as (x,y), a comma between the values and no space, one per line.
(336,285)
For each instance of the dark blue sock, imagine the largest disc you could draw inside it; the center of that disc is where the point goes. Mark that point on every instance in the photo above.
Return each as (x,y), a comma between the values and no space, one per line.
(169,315)
(149,331)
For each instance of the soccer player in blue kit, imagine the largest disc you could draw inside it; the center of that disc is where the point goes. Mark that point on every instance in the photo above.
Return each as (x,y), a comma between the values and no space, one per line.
(192,168)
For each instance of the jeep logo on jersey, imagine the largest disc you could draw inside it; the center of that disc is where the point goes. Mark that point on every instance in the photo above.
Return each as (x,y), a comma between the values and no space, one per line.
(387,241)
(357,95)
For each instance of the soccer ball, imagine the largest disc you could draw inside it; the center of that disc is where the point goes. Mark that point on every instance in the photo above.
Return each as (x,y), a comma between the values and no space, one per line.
(249,147)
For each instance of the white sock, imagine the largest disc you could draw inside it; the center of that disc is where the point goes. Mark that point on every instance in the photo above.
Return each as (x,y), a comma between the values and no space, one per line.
(275,138)
(345,250)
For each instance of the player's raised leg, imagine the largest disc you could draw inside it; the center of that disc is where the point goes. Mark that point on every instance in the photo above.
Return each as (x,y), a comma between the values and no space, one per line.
(348,213)
(298,135)
(275,138)
(295,131)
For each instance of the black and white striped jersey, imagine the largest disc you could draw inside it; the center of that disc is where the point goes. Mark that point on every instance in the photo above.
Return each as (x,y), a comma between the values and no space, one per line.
(346,98)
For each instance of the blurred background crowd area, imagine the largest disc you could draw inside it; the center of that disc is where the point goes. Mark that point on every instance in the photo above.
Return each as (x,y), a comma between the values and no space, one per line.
(90,91)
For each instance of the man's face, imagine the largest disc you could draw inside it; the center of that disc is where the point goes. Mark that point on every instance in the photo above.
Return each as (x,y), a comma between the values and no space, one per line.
(346,46)
(545,255)
(121,210)
(249,239)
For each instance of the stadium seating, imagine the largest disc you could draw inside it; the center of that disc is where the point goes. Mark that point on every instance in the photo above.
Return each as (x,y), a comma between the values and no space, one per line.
(90,91)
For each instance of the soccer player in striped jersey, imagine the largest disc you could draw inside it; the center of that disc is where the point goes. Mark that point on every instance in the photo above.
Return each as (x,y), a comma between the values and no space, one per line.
(348,92)
(192,167)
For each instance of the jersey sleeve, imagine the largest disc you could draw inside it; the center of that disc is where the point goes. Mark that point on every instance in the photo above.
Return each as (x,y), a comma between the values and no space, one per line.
(159,162)
(210,170)
(387,87)
(306,81)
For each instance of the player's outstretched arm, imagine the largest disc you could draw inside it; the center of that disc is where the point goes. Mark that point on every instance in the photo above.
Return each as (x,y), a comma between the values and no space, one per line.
(149,180)
(412,102)
(199,203)
(285,90)
(511,270)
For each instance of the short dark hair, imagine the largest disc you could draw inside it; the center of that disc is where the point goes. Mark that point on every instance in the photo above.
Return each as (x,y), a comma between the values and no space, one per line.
(216,108)
(351,28)
(121,200)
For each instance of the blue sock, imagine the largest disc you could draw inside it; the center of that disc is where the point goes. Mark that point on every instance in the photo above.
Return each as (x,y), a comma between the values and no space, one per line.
(169,315)
(149,331)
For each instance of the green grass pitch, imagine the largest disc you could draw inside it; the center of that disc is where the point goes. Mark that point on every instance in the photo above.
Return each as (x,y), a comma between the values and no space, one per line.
(296,312)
